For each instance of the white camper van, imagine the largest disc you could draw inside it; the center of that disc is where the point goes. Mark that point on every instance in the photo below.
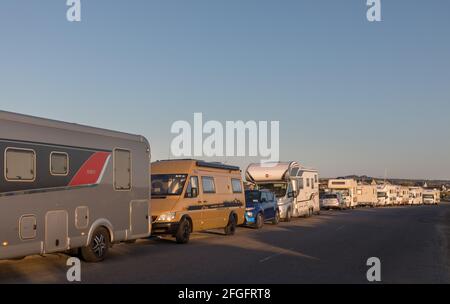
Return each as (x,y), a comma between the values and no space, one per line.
(367,195)
(402,195)
(415,195)
(347,189)
(296,187)
(387,195)
(431,196)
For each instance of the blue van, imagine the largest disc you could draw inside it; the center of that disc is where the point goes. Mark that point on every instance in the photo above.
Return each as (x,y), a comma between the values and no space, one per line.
(261,206)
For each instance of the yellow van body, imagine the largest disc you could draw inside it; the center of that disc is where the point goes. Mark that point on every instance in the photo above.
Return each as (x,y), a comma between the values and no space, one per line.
(219,195)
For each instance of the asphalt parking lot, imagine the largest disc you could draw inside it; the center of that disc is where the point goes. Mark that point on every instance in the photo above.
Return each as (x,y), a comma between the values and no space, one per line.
(411,242)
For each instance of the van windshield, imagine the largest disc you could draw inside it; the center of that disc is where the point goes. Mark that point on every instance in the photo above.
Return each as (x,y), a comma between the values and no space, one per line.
(168,184)
(279,189)
(428,196)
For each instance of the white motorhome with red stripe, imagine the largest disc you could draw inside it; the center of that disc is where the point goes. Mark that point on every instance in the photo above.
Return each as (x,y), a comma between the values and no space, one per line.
(65,187)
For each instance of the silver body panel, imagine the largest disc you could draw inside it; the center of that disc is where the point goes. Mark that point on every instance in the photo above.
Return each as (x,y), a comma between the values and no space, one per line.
(39,222)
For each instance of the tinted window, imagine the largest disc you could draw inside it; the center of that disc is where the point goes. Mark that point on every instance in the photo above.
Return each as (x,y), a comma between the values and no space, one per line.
(193,184)
(236,185)
(208,184)
(20,165)
(59,163)
(252,195)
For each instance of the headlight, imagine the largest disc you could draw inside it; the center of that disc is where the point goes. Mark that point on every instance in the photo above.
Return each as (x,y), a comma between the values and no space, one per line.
(250,213)
(166,217)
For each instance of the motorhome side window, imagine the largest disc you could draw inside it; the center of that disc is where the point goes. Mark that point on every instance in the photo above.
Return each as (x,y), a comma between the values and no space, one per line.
(300,183)
(193,184)
(122,170)
(307,182)
(20,165)
(208,184)
(59,163)
(236,185)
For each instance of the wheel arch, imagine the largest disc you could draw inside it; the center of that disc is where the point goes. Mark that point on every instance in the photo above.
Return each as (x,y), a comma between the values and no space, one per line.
(101,223)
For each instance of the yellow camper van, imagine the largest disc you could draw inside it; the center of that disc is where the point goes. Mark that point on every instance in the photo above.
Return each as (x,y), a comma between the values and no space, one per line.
(192,195)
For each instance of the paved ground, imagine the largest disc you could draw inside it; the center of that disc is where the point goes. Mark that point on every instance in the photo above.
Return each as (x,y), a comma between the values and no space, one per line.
(412,243)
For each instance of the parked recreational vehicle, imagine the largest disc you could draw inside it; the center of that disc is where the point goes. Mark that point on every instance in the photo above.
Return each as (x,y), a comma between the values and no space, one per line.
(66,186)
(192,195)
(387,195)
(347,189)
(415,195)
(296,187)
(366,195)
(431,196)
(402,195)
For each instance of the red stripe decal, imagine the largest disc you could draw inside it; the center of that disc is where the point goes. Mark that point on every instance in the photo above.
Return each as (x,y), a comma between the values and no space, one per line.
(90,171)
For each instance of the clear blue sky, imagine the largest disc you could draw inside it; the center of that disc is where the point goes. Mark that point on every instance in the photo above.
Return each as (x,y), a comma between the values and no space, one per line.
(351,96)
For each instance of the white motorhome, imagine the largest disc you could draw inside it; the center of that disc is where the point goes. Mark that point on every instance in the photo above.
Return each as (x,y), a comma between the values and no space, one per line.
(387,195)
(402,195)
(415,195)
(296,187)
(347,189)
(367,194)
(431,196)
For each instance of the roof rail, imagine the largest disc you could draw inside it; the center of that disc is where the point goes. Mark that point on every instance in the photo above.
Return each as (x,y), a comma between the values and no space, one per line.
(215,165)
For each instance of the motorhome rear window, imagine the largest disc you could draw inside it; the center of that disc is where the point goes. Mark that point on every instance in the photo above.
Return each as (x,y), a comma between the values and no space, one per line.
(208,184)
(20,165)
(122,170)
(168,184)
(236,185)
(59,163)
(338,183)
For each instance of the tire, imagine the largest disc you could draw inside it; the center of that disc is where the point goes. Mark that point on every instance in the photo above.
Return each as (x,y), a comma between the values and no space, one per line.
(230,229)
(276,219)
(259,221)
(98,246)
(184,232)
(288,216)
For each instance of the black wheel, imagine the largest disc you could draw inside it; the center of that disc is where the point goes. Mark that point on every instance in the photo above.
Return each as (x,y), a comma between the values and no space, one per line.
(259,221)
(98,247)
(184,232)
(230,229)
(288,216)
(276,219)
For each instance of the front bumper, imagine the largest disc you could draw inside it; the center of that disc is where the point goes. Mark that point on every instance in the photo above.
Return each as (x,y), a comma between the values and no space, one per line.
(283,210)
(165,228)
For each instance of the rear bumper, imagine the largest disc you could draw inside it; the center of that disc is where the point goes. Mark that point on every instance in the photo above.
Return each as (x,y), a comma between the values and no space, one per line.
(165,228)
